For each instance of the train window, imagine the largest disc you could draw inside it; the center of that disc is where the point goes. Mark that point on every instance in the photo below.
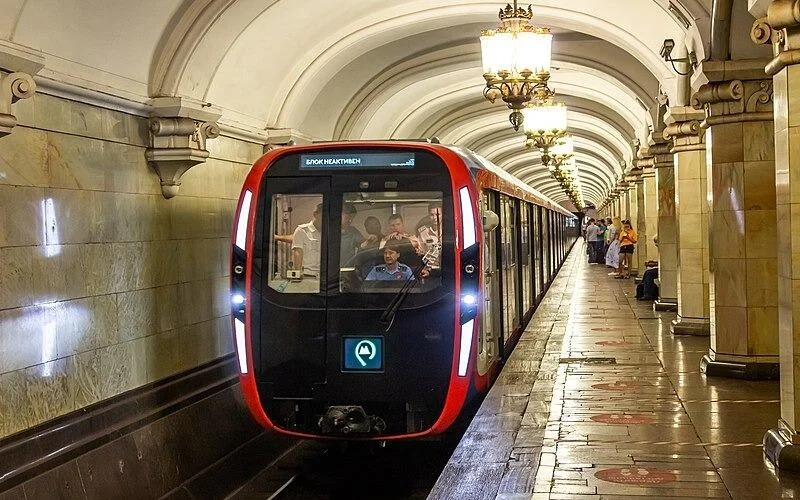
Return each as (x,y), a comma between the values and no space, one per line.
(295,245)
(402,236)
(526,256)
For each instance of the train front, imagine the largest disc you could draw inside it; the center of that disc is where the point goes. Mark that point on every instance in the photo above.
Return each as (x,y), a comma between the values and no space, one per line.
(349,287)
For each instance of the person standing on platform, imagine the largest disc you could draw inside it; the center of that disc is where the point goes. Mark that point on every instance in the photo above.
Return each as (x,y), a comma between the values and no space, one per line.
(612,254)
(592,235)
(599,245)
(627,244)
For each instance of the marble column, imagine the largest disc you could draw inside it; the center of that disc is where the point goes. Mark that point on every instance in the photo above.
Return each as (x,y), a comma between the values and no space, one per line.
(691,211)
(641,227)
(633,216)
(648,216)
(664,166)
(781,28)
(743,281)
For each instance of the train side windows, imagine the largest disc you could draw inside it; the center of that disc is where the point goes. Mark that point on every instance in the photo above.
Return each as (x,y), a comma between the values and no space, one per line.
(411,222)
(295,243)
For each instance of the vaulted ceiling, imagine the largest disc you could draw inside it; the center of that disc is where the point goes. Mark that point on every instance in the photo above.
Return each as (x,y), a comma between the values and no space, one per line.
(372,68)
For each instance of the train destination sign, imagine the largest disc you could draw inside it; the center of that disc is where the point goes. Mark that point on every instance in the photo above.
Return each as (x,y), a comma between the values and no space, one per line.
(363,353)
(355,161)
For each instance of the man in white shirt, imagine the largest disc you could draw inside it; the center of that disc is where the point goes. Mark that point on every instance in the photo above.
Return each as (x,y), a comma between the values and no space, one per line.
(306,245)
(592,235)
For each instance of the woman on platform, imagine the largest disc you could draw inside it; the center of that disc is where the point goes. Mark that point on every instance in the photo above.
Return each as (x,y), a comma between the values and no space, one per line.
(627,243)
(612,255)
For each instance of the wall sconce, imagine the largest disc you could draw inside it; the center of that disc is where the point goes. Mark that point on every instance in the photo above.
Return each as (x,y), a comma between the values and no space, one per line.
(666,53)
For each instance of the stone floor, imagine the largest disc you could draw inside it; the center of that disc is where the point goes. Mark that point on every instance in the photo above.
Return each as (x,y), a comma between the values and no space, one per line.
(599,400)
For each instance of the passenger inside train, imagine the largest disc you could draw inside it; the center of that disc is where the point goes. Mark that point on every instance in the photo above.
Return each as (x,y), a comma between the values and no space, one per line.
(296,247)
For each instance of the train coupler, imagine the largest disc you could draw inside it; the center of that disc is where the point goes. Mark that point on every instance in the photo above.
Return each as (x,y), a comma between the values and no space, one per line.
(350,420)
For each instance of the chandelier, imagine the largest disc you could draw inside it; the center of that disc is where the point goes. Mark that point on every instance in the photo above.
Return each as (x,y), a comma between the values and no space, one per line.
(545,123)
(516,61)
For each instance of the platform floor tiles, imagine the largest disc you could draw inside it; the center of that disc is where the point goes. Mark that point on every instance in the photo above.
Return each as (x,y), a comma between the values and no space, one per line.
(600,401)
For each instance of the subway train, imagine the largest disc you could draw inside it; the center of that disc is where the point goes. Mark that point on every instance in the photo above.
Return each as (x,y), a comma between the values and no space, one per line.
(377,287)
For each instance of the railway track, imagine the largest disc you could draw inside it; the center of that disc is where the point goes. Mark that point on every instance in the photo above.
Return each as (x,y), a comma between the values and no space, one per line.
(313,470)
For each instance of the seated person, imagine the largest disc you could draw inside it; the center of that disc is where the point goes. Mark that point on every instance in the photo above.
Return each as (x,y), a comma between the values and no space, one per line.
(391,269)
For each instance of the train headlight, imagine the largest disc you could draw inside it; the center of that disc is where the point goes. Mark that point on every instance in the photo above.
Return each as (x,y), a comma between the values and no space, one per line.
(237,299)
(466,347)
(241,224)
(469,299)
(467,218)
(241,347)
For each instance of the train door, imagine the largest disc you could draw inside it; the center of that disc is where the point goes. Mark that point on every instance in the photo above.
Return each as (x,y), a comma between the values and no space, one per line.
(509,266)
(525,256)
(537,253)
(546,245)
(490,322)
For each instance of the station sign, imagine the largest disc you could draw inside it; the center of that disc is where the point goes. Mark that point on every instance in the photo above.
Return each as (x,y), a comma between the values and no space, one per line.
(356,161)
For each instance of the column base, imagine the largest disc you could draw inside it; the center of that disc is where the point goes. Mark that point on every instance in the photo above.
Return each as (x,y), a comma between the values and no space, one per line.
(746,371)
(665,305)
(780,450)
(683,327)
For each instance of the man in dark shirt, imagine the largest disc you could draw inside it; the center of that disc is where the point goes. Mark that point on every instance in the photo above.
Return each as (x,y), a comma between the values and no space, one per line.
(351,237)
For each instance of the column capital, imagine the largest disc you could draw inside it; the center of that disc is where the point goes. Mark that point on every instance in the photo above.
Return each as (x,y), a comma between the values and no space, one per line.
(179,129)
(780,28)
(683,129)
(735,91)
(18,66)
(13,87)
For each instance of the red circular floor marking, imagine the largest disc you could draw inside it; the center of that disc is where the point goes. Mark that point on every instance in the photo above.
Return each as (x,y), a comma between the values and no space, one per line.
(622,419)
(638,476)
(612,343)
(619,386)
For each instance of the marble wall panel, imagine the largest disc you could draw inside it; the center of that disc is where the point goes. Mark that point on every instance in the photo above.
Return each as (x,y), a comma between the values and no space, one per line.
(148,311)
(13,403)
(759,141)
(762,289)
(19,227)
(690,264)
(23,158)
(761,234)
(104,284)
(729,327)
(794,239)
(730,282)
(727,184)
(690,165)
(692,300)
(691,196)
(726,143)
(793,135)
(690,230)
(727,236)
(762,326)
(759,185)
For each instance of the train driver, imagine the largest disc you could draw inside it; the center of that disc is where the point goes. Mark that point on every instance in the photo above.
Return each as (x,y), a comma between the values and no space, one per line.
(391,269)
(306,245)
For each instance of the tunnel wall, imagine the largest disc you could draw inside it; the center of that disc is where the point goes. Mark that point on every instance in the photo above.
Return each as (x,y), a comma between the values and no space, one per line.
(105,286)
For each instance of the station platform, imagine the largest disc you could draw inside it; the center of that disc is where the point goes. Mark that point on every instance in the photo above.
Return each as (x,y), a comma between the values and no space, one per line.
(599,400)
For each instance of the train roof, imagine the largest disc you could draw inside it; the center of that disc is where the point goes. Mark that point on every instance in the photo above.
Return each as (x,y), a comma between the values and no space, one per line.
(482,163)
(472,159)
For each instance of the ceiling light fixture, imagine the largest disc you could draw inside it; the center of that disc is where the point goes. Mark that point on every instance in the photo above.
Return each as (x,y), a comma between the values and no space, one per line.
(516,61)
